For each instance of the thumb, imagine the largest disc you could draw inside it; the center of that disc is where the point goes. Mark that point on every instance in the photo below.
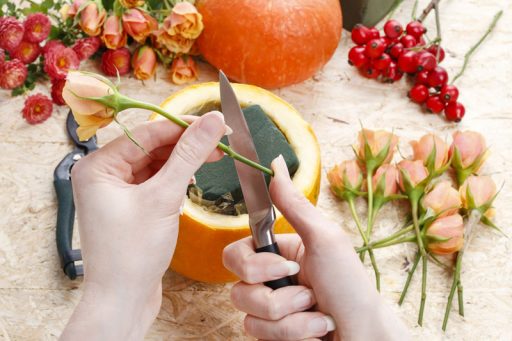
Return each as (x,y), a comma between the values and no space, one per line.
(306,219)
(194,147)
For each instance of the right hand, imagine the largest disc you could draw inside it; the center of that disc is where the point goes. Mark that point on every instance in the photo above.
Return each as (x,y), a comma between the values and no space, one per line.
(331,279)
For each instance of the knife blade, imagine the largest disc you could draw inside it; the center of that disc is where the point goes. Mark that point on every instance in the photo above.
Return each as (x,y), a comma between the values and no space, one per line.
(254,188)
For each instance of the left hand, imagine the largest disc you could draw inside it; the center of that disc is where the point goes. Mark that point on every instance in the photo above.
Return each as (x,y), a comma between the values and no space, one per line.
(128,206)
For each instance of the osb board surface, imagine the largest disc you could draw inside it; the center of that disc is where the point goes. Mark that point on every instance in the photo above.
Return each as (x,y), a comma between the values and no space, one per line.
(36,299)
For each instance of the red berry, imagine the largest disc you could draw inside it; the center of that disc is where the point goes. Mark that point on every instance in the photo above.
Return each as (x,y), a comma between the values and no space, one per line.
(392,73)
(416,29)
(393,29)
(418,93)
(13,74)
(382,63)
(433,49)
(421,42)
(116,61)
(26,51)
(437,77)
(11,33)
(38,108)
(454,111)
(386,41)
(425,61)
(449,93)
(369,71)
(408,41)
(374,33)
(422,77)
(407,62)
(374,48)
(357,57)
(396,50)
(434,104)
(360,34)
(37,27)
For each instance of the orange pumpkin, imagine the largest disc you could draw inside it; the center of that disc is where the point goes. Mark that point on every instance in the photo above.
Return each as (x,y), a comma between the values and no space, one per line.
(269,43)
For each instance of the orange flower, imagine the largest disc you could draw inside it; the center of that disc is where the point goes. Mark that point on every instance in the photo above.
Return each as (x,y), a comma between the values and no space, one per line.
(450,227)
(415,171)
(73,9)
(144,63)
(113,36)
(131,3)
(377,141)
(92,18)
(175,44)
(471,147)
(424,147)
(184,20)
(139,24)
(346,175)
(443,199)
(183,70)
(391,176)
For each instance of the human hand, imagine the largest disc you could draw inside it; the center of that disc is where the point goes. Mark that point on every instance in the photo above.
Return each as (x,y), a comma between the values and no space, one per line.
(128,205)
(331,279)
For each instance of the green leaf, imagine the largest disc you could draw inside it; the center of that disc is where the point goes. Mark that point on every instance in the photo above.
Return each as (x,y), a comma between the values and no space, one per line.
(18,91)
(490,223)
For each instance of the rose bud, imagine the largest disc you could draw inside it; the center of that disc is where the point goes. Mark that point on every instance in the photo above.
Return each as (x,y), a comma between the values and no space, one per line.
(11,31)
(414,171)
(38,108)
(113,36)
(377,141)
(115,62)
(57,86)
(443,199)
(144,63)
(390,182)
(86,47)
(26,52)
(345,176)
(13,74)
(184,20)
(183,70)
(132,3)
(37,28)
(92,18)
(59,60)
(75,7)
(90,115)
(477,191)
(469,153)
(450,228)
(423,148)
(175,43)
(139,24)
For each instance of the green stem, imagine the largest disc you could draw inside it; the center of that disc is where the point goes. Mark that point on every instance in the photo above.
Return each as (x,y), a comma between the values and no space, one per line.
(456,281)
(423,290)
(468,54)
(390,243)
(369,184)
(414,8)
(438,28)
(414,203)
(365,240)
(394,235)
(409,278)
(427,10)
(460,297)
(131,103)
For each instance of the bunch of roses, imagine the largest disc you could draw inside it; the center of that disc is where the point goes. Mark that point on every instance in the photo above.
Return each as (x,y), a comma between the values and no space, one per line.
(171,41)
(437,208)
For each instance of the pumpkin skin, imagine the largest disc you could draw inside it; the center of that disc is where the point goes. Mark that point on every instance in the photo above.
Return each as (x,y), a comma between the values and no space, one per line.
(269,43)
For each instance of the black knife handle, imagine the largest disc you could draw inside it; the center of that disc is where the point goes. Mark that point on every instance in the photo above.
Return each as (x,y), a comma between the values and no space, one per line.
(277,283)
(65,222)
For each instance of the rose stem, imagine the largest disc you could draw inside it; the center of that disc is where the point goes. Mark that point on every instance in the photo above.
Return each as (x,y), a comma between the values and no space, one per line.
(130,103)
(427,10)
(350,200)
(456,280)
(409,278)
(468,54)
(423,290)
(392,237)
(414,203)
(369,184)
(390,243)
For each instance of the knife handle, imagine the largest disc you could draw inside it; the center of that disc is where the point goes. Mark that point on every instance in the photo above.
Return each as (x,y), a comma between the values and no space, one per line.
(64,231)
(277,283)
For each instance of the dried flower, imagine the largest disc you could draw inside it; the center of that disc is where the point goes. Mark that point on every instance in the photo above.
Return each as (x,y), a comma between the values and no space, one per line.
(116,61)
(92,18)
(139,24)
(390,174)
(38,108)
(59,60)
(443,199)
(86,47)
(183,70)
(57,86)
(144,62)
(113,36)
(184,20)
(345,176)
(26,51)
(13,74)
(424,147)
(37,27)
(11,31)
(411,173)
(450,228)
(377,142)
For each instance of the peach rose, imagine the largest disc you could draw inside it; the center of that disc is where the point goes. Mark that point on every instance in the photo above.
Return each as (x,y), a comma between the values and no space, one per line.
(144,63)
(113,36)
(184,20)
(391,175)
(443,199)
(183,70)
(424,147)
(481,188)
(414,170)
(92,18)
(377,140)
(138,24)
(471,146)
(175,44)
(450,227)
(346,175)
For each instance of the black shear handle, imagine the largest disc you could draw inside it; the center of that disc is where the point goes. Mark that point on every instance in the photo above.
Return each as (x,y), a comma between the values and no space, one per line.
(65,222)
(277,283)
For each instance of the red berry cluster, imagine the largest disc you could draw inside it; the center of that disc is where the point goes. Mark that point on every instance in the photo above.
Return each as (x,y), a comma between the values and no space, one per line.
(397,51)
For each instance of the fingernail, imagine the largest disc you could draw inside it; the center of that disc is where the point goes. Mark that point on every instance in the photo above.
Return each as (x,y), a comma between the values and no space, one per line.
(229,131)
(321,325)
(302,300)
(283,269)
(211,125)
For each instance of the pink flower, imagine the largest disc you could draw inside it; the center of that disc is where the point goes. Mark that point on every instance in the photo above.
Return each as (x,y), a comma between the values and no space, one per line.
(138,24)
(377,141)
(37,27)
(2,56)
(86,47)
(391,175)
(26,51)
(75,6)
(415,171)
(346,175)
(471,147)
(443,199)
(13,74)
(424,147)
(92,18)
(51,44)
(57,86)
(59,60)
(184,20)
(482,190)
(116,61)
(183,70)
(113,36)
(450,227)
(11,33)
(144,62)
(38,108)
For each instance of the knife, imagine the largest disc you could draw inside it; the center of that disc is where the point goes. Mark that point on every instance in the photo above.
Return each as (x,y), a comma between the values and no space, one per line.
(261,211)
